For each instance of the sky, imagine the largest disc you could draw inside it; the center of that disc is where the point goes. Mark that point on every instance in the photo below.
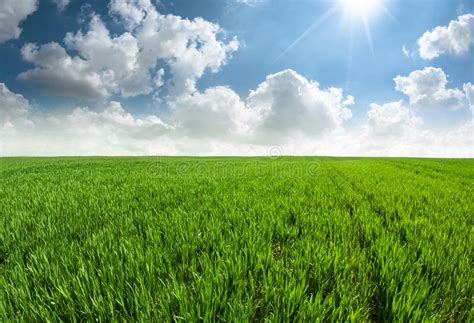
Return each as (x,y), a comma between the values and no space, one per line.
(237,77)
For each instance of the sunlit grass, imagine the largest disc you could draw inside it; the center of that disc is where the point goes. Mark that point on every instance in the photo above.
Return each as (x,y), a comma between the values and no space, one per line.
(236,239)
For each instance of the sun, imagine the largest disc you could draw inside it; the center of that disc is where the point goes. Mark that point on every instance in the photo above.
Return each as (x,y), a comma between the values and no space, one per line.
(362,11)
(353,12)
(361,8)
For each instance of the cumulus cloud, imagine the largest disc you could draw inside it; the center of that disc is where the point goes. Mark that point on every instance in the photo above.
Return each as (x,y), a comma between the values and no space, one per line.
(218,110)
(14,109)
(115,122)
(60,74)
(395,129)
(455,39)
(288,103)
(61,4)
(131,12)
(427,87)
(469,91)
(392,119)
(111,130)
(12,13)
(188,47)
(116,57)
(132,63)
(285,105)
(217,116)
(286,110)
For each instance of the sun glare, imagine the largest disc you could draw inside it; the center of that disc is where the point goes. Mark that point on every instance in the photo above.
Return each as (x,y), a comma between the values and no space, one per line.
(361,8)
(353,12)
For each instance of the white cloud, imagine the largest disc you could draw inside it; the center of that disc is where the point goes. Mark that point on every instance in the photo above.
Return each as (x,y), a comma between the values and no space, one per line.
(131,12)
(62,75)
(427,87)
(394,128)
(61,4)
(392,119)
(418,142)
(214,121)
(109,131)
(12,13)
(188,47)
(455,39)
(97,43)
(250,2)
(218,110)
(218,122)
(117,57)
(407,52)
(14,109)
(287,104)
(113,122)
(469,91)
(132,63)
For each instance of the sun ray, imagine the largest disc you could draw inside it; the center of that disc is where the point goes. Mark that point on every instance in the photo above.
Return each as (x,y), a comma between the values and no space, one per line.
(364,11)
(388,13)
(368,34)
(352,9)
(315,24)
(349,57)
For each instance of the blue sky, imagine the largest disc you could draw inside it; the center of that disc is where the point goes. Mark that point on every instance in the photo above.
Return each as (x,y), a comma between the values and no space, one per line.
(327,54)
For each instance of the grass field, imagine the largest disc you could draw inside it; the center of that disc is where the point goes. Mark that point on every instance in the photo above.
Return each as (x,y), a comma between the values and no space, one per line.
(236,239)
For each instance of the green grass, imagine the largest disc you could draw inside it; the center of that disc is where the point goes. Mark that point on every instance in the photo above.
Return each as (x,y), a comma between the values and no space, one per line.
(236,239)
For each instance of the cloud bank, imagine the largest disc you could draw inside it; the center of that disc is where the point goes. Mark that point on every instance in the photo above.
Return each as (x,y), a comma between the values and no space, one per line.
(285,110)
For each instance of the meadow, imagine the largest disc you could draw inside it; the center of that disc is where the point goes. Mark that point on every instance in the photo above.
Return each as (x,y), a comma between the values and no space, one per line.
(236,239)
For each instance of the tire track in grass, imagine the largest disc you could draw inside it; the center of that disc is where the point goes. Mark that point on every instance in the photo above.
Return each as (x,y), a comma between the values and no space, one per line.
(345,199)
(376,303)
(381,302)
(390,224)
(439,171)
